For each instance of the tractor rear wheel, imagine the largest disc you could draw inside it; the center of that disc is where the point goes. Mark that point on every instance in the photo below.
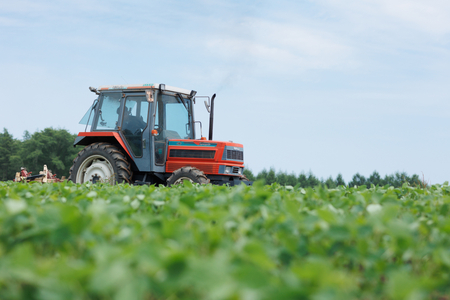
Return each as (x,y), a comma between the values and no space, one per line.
(101,162)
(191,174)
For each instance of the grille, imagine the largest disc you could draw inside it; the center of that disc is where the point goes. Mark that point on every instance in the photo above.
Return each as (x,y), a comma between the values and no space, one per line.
(235,170)
(235,154)
(192,153)
(206,168)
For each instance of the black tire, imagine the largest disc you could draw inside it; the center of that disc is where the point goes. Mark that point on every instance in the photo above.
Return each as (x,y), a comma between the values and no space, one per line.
(187,173)
(100,160)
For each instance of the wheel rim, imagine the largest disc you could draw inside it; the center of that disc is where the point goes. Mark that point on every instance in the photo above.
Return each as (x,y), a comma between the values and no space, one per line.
(180,180)
(95,168)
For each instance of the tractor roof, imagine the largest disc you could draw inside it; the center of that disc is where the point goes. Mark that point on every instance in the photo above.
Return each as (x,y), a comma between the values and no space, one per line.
(145,86)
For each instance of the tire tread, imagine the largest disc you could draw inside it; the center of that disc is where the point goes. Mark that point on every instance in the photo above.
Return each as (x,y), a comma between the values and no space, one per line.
(120,160)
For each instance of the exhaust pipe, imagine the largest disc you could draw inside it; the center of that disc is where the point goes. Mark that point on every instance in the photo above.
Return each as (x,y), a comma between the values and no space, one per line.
(211,117)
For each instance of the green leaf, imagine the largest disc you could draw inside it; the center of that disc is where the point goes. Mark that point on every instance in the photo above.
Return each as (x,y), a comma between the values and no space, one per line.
(15,206)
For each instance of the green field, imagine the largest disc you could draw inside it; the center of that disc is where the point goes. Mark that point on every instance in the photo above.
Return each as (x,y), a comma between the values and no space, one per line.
(67,241)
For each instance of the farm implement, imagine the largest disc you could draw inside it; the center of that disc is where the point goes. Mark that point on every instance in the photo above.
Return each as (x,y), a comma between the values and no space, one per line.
(145,134)
(45,176)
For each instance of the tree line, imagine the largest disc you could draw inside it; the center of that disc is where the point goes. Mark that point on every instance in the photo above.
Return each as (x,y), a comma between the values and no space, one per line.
(52,147)
(309,180)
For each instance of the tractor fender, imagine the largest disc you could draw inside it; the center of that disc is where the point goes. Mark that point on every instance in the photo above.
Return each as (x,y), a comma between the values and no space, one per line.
(87,138)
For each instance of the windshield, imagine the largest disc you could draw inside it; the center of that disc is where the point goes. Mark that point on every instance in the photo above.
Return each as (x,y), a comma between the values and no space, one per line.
(174,119)
(89,115)
(109,111)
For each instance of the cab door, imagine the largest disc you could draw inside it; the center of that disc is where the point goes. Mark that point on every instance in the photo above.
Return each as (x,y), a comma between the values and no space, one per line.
(135,128)
(173,119)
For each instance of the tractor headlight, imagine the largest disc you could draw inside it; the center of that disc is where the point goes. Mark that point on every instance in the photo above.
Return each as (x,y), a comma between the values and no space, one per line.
(240,171)
(227,170)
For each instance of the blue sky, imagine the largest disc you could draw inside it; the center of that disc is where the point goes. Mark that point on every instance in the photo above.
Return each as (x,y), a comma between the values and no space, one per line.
(327,86)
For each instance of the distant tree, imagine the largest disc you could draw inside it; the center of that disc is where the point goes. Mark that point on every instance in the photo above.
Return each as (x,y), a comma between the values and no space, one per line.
(10,160)
(399,179)
(388,180)
(291,179)
(340,180)
(53,147)
(303,180)
(357,180)
(414,180)
(312,180)
(374,179)
(249,174)
(330,183)
(262,175)
(281,178)
(271,178)
(402,178)
(26,135)
(309,180)
(15,159)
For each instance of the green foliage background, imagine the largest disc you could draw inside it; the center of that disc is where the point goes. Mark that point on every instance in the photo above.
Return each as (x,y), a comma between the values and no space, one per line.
(53,147)
(67,241)
(309,180)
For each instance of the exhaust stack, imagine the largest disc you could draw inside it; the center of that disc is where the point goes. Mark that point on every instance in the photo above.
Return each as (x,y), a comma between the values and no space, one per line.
(211,117)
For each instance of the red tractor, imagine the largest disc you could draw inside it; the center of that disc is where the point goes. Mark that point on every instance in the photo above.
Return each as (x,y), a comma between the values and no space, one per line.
(145,134)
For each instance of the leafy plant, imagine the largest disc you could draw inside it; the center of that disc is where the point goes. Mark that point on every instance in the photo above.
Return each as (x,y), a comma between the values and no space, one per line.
(68,241)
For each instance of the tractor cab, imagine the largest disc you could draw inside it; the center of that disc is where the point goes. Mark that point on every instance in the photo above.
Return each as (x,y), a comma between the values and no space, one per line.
(149,125)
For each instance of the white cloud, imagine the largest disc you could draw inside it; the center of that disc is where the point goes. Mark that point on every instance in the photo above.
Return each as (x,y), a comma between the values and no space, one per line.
(431,16)
(282,46)
(9,22)
(23,6)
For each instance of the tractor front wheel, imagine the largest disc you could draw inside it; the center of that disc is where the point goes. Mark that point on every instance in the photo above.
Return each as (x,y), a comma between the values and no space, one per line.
(100,162)
(191,174)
